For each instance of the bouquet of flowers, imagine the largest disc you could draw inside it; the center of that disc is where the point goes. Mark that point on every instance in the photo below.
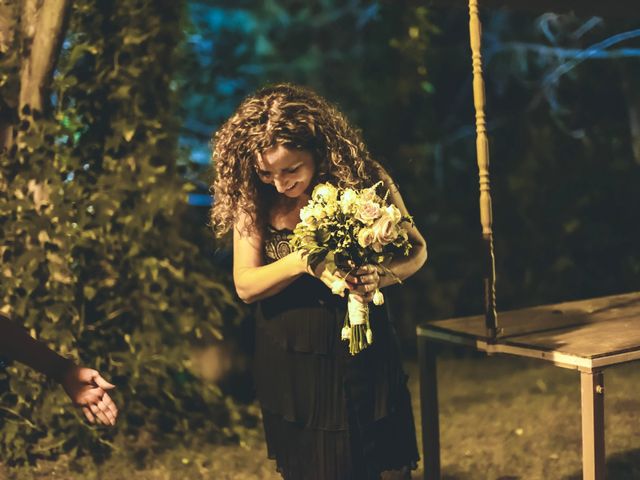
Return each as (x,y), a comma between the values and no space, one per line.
(348,229)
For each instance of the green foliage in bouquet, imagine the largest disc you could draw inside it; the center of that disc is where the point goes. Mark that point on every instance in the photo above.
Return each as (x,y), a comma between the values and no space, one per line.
(95,261)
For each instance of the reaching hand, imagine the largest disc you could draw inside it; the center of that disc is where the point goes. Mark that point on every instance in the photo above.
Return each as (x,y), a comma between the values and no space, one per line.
(363,283)
(87,389)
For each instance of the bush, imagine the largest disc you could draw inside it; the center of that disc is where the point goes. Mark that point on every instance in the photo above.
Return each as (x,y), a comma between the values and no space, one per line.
(95,259)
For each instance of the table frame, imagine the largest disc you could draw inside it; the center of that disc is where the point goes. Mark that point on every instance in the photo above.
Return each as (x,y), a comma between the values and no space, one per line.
(591,387)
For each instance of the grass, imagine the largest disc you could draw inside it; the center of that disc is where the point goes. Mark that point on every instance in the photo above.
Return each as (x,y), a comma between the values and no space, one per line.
(512,418)
(501,418)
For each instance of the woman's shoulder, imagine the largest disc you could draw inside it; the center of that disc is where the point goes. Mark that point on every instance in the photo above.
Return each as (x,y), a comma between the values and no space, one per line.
(382,174)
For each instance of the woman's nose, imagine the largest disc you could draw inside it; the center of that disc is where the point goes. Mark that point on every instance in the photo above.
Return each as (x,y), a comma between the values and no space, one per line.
(280,185)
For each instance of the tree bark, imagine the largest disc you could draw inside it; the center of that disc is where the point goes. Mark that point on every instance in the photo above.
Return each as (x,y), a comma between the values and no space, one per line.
(8,26)
(43,29)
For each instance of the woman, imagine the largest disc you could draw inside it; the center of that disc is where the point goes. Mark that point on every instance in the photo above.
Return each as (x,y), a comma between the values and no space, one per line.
(327,415)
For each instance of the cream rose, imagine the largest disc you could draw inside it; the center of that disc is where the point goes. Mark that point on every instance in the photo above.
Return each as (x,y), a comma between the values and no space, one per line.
(365,237)
(385,230)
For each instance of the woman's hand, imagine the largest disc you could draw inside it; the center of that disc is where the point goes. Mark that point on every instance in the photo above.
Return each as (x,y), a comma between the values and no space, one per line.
(336,281)
(87,389)
(364,282)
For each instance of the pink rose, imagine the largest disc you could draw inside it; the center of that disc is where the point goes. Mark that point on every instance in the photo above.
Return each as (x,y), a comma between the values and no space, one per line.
(367,212)
(385,230)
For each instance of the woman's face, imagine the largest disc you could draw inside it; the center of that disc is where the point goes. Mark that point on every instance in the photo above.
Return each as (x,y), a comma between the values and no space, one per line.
(289,170)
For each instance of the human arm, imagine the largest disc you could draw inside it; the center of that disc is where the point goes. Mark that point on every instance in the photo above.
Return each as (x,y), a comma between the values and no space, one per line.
(84,386)
(255,281)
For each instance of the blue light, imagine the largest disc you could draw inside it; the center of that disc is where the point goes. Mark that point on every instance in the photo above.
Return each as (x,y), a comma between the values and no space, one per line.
(199,199)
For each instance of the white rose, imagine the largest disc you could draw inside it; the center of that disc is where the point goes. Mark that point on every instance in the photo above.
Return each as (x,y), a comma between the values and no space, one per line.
(348,200)
(309,215)
(325,192)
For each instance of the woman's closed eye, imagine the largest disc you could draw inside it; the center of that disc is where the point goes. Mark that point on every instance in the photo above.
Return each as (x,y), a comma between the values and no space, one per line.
(265,174)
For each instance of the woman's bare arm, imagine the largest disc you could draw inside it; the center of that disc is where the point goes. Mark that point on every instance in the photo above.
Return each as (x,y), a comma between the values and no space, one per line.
(254,280)
(404,266)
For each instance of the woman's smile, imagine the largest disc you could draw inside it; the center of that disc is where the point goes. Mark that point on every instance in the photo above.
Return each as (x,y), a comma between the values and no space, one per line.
(289,170)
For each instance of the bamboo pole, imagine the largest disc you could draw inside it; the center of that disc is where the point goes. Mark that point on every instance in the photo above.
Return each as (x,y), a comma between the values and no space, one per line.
(482,151)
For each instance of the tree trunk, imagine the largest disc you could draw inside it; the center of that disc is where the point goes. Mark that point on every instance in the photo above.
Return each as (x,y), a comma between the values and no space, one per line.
(8,26)
(43,29)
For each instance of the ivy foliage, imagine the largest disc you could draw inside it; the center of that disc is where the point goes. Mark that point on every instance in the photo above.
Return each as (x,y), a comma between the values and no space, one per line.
(96,259)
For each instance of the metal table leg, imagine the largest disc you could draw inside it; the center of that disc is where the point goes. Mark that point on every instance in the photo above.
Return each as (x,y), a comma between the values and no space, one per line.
(593,454)
(429,409)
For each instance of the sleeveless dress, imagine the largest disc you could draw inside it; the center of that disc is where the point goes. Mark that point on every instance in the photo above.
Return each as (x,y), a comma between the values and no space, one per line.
(328,415)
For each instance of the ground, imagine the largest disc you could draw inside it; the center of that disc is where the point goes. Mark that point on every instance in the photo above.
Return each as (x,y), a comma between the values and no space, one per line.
(501,418)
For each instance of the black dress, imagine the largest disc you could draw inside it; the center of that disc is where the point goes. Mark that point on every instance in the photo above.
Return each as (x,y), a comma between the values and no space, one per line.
(328,415)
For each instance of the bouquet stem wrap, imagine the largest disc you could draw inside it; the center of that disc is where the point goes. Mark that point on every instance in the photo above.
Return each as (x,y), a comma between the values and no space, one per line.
(356,329)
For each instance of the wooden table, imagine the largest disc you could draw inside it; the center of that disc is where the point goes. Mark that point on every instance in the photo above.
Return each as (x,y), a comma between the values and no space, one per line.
(586,335)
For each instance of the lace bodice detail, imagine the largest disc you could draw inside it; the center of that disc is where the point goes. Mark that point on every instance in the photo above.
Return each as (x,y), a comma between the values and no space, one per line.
(276,244)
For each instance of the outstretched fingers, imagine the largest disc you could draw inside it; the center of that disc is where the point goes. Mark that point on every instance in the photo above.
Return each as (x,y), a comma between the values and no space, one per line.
(99,414)
(88,414)
(112,410)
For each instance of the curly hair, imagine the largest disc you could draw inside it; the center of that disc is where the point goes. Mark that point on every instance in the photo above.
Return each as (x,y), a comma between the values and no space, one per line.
(281,115)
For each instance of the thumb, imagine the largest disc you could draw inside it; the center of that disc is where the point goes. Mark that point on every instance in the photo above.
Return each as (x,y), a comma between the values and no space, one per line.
(102,383)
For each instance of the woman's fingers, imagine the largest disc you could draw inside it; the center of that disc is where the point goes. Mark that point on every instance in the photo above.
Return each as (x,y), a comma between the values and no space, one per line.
(102,405)
(88,414)
(110,405)
(365,284)
(100,415)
